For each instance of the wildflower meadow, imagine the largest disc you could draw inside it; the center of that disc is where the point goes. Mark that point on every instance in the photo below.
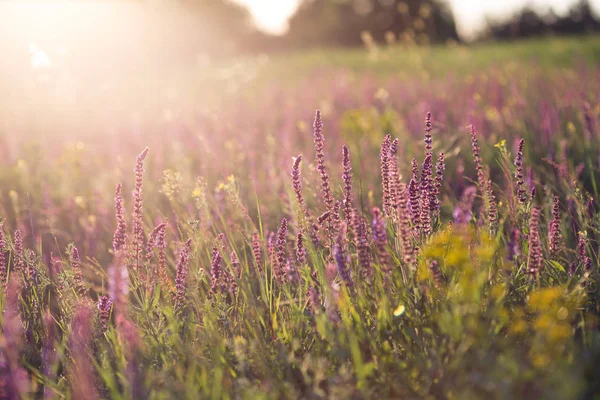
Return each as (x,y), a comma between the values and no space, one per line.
(314,230)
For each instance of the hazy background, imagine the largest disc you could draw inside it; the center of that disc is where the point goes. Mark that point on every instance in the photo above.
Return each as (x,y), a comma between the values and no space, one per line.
(97,68)
(272,16)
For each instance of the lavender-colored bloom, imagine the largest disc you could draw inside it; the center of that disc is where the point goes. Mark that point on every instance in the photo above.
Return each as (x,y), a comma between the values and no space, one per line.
(297,185)
(281,250)
(582,257)
(120,236)
(235,274)
(182,275)
(425,200)
(3,269)
(380,236)
(478,162)
(554,233)
(415,170)
(319,141)
(104,309)
(342,267)
(492,207)
(156,239)
(439,178)
(300,250)
(138,208)
(408,251)
(428,137)
(394,174)
(161,245)
(519,172)
(257,252)
(415,209)
(535,246)
(347,178)
(337,215)
(19,262)
(216,268)
(77,275)
(324,218)
(385,173)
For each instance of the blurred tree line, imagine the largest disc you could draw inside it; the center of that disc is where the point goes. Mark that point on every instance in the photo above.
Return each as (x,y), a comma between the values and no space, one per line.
(324,23)
(527,22)
(228,26)
(222,27)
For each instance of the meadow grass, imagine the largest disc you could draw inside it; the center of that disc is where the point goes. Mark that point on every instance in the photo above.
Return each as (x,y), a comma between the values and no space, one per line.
(430,232)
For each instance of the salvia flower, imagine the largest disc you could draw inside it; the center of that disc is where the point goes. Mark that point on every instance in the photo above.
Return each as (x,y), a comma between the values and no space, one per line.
(478,162)
(425,201)
(77,275)
(380,236)
(394,174)
(439,178)
(521,196)
(492,207)
(182,275)
(161,245)
(342,265)
(19,252)
(415,170)
(120,236)
(554,233)
(385,173)
(323,218)
(237,272)
(415,209)
(300,249)
(535,247)
(582,256)
(138,208)
(408,251)
(347,179)
(3,269)
(215,269)
(257,252)
(281,245)
(428,136)
(156,239)
(297,186)
(104,309)
(319,141)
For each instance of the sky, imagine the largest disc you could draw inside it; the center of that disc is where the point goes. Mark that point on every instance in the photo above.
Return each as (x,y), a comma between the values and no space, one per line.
(272,15)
